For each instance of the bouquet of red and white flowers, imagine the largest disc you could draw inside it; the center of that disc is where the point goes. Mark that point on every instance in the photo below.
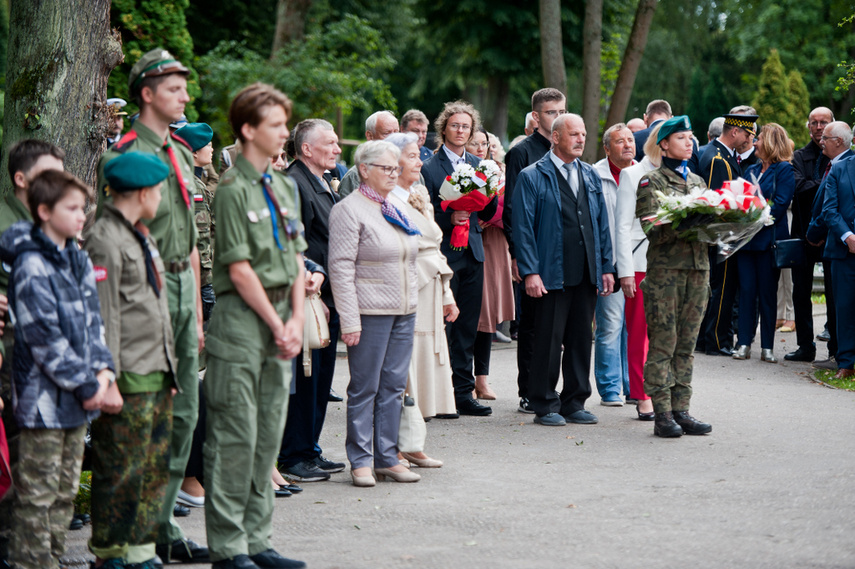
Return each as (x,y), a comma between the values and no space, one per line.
(728,217)
(469,189)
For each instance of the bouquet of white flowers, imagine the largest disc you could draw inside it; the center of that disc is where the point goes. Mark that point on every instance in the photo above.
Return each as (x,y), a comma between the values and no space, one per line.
(469,189)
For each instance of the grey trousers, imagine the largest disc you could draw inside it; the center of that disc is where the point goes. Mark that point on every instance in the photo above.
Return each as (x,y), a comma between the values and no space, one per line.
(378,376)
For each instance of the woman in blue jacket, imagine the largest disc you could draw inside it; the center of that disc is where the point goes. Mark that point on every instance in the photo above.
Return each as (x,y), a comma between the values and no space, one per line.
(758,274)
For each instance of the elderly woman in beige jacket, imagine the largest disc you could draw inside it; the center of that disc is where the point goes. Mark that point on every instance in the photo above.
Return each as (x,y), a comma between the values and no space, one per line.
(372,270)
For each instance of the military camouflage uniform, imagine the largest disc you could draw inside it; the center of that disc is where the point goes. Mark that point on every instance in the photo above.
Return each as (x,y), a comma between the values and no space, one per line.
(676,291)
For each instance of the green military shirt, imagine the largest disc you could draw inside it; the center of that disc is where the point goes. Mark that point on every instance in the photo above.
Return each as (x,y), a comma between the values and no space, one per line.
(12,211)
(666,250)
(245,230)
(174,226)
(137,324)
(205,226)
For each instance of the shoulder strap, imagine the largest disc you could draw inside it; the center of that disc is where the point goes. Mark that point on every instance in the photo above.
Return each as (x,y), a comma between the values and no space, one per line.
(122,145)
(182,141)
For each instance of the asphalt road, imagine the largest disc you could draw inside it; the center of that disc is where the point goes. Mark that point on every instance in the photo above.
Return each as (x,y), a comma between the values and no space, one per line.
(770,487)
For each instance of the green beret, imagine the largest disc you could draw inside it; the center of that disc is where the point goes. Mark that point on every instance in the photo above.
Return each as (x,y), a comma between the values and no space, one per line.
(196,134)
(155,63)
(672,125)
(134,170)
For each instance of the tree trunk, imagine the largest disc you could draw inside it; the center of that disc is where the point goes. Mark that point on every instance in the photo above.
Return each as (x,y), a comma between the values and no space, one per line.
(56,79)
(491,100)
(631,61)
(592,39)
(290,23)
(551,45)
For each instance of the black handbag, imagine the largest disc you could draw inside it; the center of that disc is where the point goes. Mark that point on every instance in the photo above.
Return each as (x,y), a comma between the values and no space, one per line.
(789,253)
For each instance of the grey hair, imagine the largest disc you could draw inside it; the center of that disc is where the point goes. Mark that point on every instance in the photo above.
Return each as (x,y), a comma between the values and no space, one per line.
(529,119)
(607,136)
(370,151)
(371,122)
(841,129)
(716,125)
(401,139)
(305,130)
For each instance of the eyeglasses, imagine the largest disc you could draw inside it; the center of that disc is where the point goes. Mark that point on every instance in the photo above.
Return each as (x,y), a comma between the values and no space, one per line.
(389,170)
(814,124)
(553,113)
(460,127)
(824,138)
(480,144)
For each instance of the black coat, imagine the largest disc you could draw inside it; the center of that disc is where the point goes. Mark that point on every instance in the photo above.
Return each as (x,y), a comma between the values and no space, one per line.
(718,165)
(808,176)
(524,154)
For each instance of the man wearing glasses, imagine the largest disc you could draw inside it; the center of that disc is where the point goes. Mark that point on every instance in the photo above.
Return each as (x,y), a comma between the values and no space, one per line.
(455,126)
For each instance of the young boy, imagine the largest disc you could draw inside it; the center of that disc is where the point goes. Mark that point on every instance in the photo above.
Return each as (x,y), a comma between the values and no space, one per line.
(62,366)
(130,449)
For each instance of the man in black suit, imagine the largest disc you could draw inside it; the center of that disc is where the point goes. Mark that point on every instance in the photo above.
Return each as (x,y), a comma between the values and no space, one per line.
(657,111)
(417,122)
(713,132)
(316,148)
(546,105)
(809,164)
(455,126)
(717,165)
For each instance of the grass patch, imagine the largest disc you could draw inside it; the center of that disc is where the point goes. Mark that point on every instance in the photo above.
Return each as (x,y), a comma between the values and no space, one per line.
(827,376)
(83,501)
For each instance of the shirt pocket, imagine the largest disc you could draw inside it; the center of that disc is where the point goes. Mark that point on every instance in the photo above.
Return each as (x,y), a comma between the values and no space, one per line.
(133,261)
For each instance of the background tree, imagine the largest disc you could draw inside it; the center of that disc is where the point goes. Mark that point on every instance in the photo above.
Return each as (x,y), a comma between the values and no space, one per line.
(777,99)
(591,53)
(57,79)
(290,23)
(800,101)
(552,46)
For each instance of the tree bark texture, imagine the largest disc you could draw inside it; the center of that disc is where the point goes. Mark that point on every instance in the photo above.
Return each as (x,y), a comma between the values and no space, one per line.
(631,61)
(290,22)
(492,101)
(592,47)
(60,54)
(551,45)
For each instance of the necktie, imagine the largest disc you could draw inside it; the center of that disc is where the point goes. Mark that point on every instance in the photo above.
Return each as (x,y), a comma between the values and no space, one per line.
(738,159)
(827,170)
(571,179)
(174,161)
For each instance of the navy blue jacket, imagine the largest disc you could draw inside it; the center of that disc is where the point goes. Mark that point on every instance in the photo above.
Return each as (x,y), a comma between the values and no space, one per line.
(777,185)
(817,230)
(539,229)
(838,209)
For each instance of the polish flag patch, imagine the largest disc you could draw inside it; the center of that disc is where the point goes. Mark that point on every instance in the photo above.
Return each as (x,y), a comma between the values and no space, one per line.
(198,197)
(100,273)
(644,182)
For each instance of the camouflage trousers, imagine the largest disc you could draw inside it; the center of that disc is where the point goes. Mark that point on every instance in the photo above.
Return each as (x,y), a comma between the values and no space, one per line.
(674,305)
(47,476)
(130,471)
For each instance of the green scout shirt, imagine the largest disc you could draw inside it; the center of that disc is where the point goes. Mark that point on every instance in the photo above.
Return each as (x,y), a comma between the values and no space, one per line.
(174,226)
(204,225)
(137,325)
(666,250)
(245,230)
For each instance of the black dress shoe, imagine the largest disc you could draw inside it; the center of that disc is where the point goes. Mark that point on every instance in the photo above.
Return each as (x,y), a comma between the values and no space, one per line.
(666,427)
(180,511)
(182,551)
(801,355)
(334,397)
(824,336)
(293,488)
(472,407)
(281,492)
(447,415)
(237,562)
(690,425)
(76,523)
(273,560)
(645,416)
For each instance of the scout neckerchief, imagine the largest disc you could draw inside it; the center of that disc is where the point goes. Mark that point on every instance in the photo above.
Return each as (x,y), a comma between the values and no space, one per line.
(679,166)
(153,277)
(276,213)
(174,161)
(392,214)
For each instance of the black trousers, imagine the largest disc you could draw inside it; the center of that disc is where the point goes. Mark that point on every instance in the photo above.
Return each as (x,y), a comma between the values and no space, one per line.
(831,309)
(525,341)
(717,327)
(467,285)
(562,317)
(802,306)
(483,348)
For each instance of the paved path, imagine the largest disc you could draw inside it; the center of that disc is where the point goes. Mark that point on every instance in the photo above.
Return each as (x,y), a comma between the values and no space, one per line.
(772,486)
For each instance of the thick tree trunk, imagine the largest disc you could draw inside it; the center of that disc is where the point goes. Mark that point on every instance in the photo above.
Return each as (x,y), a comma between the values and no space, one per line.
(290,23)
(492,102)
(592,47)
(631,61)
(551,45)
(61,53)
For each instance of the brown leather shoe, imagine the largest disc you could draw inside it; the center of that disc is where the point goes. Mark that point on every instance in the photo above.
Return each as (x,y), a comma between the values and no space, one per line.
(844,374)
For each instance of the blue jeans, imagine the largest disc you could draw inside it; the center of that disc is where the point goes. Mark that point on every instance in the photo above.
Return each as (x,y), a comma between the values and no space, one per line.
(610,364)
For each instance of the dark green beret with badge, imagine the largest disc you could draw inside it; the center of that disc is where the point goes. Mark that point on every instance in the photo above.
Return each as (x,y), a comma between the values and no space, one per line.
(196,134)
(672,125)
(134,170)
(155,63)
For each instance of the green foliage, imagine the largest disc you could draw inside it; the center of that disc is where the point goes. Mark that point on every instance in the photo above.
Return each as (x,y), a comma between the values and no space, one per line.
(83,500)
(337,66)
(782,98)
(252,22)
(148,24)
(4,39)
(800,101)
(845,83)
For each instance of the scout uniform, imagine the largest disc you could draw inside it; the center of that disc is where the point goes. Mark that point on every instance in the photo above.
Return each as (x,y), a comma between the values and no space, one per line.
(246,385)
(130,470)
(174,230)
(675,289)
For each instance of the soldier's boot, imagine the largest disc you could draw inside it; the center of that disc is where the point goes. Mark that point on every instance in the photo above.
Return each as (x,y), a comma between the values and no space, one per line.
(690,425)
(665,426)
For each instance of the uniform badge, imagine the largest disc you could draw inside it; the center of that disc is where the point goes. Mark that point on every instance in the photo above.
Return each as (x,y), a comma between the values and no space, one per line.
(198,198)
(264,214)
(253,217)
(283,211)
(644,182)
(100,273)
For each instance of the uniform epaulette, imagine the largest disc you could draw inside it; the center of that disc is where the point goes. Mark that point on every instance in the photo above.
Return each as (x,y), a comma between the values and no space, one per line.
(124,142)
(182,141)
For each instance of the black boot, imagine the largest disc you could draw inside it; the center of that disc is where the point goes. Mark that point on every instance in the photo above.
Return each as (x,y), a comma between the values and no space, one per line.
(665,426)
(690,425)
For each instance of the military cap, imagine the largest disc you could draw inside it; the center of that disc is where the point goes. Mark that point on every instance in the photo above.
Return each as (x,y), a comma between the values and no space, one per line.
(748,123)
(134,170)
(196,134)
(180,123)
(119,104)
(672,125)
(155,63)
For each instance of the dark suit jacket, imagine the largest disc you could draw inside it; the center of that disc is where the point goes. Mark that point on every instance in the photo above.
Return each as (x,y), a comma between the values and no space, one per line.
(641,137)
(523,155)
(777,186)
(315,205)
(717,165)
(817,230)
(808,176)
(838,209)
(434,171)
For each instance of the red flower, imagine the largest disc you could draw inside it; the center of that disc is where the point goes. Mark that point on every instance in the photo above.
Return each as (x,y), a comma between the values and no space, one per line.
(448,178)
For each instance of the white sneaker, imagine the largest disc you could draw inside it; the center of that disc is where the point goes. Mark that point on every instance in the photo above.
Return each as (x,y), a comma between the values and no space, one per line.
(190,501)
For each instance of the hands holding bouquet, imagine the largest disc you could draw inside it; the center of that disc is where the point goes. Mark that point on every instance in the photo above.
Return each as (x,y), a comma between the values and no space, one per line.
(469,190)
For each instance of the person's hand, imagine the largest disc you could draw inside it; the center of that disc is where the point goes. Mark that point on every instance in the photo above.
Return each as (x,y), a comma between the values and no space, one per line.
(450,312)
(113,401)
(351,339)
(627,285)
(313,283)
(534,286)
(483,224)
(94,403)
(850,242)
(290,342)
(608,284)
(515,271)
(459,217)
(4,305)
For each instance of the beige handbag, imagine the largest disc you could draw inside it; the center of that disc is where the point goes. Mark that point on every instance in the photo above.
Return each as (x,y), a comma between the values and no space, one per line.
(413,431)
(316,331)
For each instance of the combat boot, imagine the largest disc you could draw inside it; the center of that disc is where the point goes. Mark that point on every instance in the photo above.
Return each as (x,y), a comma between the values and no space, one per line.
(665,426)
(690,425)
